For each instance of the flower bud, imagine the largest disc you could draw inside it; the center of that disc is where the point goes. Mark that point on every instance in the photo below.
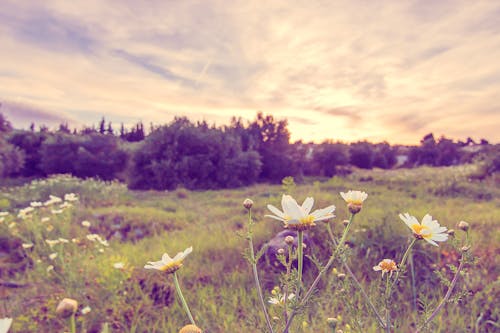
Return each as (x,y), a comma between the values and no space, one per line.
(332,322)
(354,208)
(281,251)
(341,276)
(289,240)
(465,248)
(190,329)
(66,307)
(248,203)
(345,222)
(451,232)
(462,225)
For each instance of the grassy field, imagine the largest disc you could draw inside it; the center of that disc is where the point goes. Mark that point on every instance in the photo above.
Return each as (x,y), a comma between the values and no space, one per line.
(136,227)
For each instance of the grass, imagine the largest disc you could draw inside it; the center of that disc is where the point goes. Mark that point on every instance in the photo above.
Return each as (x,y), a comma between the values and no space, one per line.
(216,280)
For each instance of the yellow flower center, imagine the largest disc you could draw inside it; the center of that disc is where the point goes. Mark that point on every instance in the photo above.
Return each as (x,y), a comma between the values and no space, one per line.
(417,229)
(388,266)
(308,220)
(171,267)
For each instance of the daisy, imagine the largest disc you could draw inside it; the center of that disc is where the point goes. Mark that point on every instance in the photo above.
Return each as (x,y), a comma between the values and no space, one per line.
(280,300)
(354,200)
(167,264)
(119,265)
(86,310)
(70,197)
(386,266)
(5,324)
(298,217)
(429,229)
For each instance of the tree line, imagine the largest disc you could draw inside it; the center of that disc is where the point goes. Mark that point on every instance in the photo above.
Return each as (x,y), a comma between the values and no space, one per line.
(198,155)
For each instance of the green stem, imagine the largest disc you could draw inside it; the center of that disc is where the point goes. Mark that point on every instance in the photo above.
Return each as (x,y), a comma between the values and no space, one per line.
(318,277)
(405,256)
(446,297)
(344,235)
(287,282)
(387,305)
(255,273)
(330,232)
(72,323)
(183,300)
(300,252)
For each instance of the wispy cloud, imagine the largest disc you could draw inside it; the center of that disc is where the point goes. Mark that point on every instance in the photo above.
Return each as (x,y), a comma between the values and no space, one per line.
(349,70)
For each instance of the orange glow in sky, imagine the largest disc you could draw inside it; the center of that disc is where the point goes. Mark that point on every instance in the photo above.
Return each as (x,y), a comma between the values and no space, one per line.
(344,70)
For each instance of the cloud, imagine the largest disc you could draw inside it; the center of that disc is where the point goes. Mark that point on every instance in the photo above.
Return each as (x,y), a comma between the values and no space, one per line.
(341,69)
(25,114)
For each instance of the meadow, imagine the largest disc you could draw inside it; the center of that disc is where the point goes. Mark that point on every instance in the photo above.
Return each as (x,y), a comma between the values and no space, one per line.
(102,240)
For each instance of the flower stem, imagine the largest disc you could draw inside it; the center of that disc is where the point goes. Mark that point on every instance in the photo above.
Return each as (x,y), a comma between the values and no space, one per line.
(72,323)
(255,273)
(344,235)
(405,256)
(387,305)
(318,277)
(287,282)
(446,297)
(183,300)
(300,252)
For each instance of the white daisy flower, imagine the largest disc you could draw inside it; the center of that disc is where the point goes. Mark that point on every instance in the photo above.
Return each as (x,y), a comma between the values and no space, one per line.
(50,268)
(52,242)
(299,217)
(119,265)
(56,211)
(70,197)
(5,324)
(86,310)
(354,200)
(86,224)
(45,219)
(429,229)
(36,204)
(167,264)
(280,300)
(386,266)
(27,245)
(52,256)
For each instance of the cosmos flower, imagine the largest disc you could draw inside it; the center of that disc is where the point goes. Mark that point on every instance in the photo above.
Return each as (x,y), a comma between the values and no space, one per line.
(386,266)
(167,264)
(429,229)
(297,217)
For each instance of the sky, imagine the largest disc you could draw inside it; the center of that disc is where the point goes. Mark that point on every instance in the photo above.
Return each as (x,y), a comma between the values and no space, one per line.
(344,70)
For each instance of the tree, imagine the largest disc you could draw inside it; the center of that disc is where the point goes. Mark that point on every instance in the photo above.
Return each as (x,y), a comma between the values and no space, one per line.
(361,154)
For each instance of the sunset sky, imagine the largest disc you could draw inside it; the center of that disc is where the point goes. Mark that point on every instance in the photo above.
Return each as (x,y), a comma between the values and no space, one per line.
(345,70)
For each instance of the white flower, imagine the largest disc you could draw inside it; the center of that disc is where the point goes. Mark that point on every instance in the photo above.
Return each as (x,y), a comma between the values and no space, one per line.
(36,204)
(86,310)
(70,197)
(50,268)
(354,200)
(5,324)
(386,266)
(299,217)
(429,229)
(53,200)
(167,264)
(24,213)
(27,245)
(65,205)
(63,240)
(52,256)
(56,211)
(119,265)
(86,224)
(45,219)
(52,242)
(2,214)
(280,300)
(354,197)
